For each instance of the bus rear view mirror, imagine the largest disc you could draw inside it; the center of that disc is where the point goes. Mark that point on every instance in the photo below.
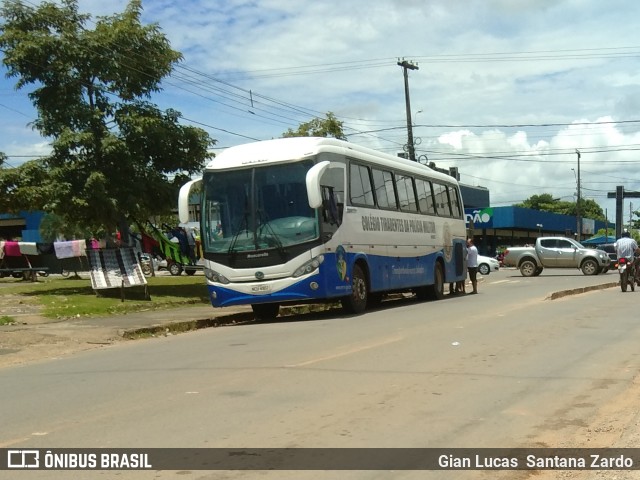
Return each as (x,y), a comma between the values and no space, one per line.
(183,200)
(314,192)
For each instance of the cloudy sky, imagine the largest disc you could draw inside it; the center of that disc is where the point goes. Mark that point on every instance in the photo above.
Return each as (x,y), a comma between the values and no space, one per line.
(506,90)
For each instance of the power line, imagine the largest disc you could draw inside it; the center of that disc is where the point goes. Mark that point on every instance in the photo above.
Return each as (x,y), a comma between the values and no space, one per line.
(581,54)
(241,98)
(506,125)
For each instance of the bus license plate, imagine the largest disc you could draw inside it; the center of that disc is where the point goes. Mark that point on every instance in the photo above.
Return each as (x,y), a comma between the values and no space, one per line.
(261,289)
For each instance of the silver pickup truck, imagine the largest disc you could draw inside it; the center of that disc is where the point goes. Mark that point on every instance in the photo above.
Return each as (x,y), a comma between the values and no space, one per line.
(556,252)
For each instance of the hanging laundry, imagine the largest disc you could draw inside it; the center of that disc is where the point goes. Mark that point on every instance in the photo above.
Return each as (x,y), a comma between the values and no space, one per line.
(11,249)
(28,248)
(63,249)
(79,248)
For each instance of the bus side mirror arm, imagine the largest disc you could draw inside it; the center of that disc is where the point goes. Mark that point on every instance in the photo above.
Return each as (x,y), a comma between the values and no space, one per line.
(314,192)
(183,200)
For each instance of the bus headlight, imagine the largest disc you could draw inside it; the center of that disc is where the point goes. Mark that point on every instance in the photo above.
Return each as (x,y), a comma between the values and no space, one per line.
(309,266)
(214,276)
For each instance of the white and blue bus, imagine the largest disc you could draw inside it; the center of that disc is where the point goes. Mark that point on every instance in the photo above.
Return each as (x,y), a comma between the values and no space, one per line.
(310,220)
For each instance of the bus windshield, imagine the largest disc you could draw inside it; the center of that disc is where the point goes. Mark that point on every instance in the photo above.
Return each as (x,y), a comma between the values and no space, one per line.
(260,208)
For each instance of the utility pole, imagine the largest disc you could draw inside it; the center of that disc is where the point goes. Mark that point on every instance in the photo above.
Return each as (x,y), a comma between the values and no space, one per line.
(405,67)
(578,212)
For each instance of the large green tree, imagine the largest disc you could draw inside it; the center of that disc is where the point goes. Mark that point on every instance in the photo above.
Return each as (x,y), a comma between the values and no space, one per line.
(115,154)
(27,187)
(545,202)
(329,126)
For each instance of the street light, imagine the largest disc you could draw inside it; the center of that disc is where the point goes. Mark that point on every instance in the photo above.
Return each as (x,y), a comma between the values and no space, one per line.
(415,115)
(539,225)
(410,146)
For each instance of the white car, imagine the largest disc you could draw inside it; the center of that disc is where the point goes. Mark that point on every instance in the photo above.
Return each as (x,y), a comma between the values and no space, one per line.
(487,264)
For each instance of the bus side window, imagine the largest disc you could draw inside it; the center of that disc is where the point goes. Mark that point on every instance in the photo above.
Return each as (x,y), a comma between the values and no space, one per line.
(442,200)
(331,211)
(332,185)
(455,202)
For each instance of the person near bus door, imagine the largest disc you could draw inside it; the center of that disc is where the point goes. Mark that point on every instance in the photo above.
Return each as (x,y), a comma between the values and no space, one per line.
(472,264)
(459,286)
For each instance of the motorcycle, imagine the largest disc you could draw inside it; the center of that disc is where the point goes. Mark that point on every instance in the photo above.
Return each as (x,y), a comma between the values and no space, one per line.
(627,271)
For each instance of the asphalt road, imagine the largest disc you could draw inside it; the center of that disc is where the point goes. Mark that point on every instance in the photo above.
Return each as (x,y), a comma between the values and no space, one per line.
(504,368)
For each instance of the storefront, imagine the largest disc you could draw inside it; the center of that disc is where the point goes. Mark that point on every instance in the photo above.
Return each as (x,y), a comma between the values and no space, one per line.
(495,228)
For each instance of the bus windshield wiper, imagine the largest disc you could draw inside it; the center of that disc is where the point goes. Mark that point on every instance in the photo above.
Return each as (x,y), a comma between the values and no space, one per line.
(264,223)
(242,227)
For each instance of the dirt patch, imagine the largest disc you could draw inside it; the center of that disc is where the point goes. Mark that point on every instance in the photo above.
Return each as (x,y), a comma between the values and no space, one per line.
(45,343)
(20,309)
(33,337)
(615,425)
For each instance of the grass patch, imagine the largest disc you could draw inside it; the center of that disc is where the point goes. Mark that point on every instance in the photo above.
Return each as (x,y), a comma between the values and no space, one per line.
(7,320)
(73,297)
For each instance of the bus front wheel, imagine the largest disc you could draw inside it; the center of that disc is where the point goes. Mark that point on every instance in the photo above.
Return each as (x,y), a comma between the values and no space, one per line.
(357,301)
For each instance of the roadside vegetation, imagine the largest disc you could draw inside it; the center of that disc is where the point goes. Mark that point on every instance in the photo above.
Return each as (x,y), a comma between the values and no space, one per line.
(73,297)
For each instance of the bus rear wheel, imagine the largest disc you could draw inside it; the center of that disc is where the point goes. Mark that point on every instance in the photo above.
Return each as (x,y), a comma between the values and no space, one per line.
(357,301)
(436,291)
(265,311)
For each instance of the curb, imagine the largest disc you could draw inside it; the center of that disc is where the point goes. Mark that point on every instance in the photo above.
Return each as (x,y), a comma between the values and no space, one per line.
(575,291)
(188,325)
(175,327)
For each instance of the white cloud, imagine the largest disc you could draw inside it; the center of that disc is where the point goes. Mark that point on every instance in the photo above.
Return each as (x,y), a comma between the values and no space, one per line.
(455,139)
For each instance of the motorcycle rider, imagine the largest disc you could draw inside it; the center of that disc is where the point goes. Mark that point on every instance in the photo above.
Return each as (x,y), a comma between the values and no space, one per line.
(627,247)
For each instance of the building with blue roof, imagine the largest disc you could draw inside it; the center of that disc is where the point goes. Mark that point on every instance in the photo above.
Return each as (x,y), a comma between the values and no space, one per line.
(495,228)
(23,225)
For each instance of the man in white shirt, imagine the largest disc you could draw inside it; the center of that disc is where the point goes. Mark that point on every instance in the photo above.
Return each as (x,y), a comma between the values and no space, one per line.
(472,264)
(627,247)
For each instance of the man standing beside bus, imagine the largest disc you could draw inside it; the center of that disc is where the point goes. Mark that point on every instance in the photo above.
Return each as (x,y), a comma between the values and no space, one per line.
(472,264)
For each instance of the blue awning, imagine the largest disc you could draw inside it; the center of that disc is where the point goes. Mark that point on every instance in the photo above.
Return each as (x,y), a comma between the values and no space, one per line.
(599,240)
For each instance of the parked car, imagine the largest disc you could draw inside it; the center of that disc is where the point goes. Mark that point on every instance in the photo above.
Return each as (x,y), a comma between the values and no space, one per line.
(556,252)
(486,265)
(610,248)
(161,263)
